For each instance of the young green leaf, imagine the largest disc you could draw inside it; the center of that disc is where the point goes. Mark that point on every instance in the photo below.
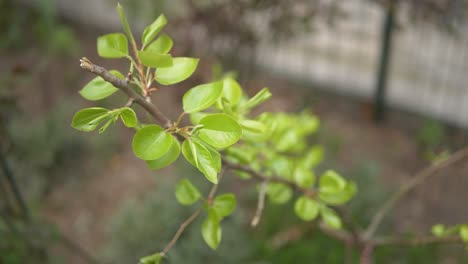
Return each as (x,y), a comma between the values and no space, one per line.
(278,193)
(152,259)
(152,30)
(211,230)
(313,157)
(128,117)
(181,69)
(331,182)
(114,45)
(124,21)
(190,152)
(197,116)
(155,60)
(186,193)
(161,45)
(307,209)
(254,131)
(438,230)
(112,119)
(341,197)
(464,233)
(259,98)
(88,119)
(330,218)
(201,97)
(168,158)
(200,157)
(98,89)
(304,177)
(151,142)
(224,204)
(232,90)
(219,130)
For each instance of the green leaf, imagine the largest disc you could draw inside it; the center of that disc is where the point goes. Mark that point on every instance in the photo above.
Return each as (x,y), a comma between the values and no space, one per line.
(113,118)
(211,230)
(304,177)
(200,157)
(186,193)
(219,130)
(259,98)
(151,142)
(224,204)
(124,21)
(152,59)
(331,182)
(330,218)
(438,230)
(464,233)
(307,209)
(153,259)
(88,119)
(152,30)
(232,91)
(163,44)
(114,45)
(278,193)
(128,117)
(254,131)
(339,198)
(181,69)
(201,97)
(197,116)
(313,157)
(168,158)
(98,89)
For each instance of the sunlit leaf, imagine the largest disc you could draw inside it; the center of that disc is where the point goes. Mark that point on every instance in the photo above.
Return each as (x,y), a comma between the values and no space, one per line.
(152,30)
(89,119)
(201,97)
(168,158)
(181,69)
(186,193)
(151,142)
(153,59)
(114,45)
(98,88)
(211,230)
(224,204)
(219,130)
(306,208)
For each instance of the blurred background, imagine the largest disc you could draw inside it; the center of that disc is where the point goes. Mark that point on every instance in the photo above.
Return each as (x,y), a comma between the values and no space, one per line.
(388,79)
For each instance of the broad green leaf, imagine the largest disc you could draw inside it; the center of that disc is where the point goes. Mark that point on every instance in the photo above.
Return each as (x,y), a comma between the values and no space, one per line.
(438,230)
(128,117)
(339,198)
(254,131)
(214,155)
(124,21)
(313,157)
(232,91)
(330,218)
(331,182)
(190,152)
(200,157)
(168,158)
(241,155)
(219,130)
(181,69)
(282,166)
(88,119)
(151,142)
(152,30)
(304,177)
(259,98)
(464,233)
(152,259)
(288,141)
(224,204)
(197,116)
(114,45)
(98,89)
(211,230)
(155,60)
(307,209)
(278,193)
(161,45)
(186,193)
(201,97)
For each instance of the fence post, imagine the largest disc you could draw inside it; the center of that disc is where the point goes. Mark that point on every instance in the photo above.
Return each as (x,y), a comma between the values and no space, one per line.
(384,60)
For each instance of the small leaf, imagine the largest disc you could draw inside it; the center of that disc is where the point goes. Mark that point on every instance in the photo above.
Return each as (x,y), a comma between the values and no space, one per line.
(168,158)
(152,59)
(307,209)
(224,204)
(232,91)
(201,97)
(259,98)
(88,119)
(190,152)
(186,193)
(128,117)
(153,259)
(151,142)
(464,233)
(152,30)
(304,177)
(313,157)
(331,182)
(162,44)
(181,69)
(200,157)
(114,45)
(219,130)
(438,230)
(278,193)
(112,119)
(330,218)
(98,89)
(254,131)
(211,230)
(124,21)
(341,197)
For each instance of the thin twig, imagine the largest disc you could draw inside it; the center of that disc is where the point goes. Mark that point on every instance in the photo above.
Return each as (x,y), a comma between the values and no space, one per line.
(418,179)
(260,204)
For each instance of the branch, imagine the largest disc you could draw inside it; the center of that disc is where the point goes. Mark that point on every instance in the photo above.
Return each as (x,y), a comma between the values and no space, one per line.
(417,241)
(418,179)
(125,87)
(260,205)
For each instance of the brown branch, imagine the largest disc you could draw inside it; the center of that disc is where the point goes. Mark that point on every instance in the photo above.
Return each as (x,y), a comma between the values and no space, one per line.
(418,179)
(260,204)
(152,109)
